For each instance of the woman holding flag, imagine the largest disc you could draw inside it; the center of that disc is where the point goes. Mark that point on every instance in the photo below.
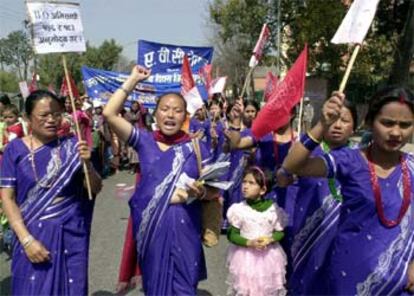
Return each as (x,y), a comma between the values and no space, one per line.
(373,251)
(46,204)
(166,226)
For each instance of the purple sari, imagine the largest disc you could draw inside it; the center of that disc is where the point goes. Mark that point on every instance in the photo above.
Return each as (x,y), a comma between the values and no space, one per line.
(168,236)
(367,258)
(59,216)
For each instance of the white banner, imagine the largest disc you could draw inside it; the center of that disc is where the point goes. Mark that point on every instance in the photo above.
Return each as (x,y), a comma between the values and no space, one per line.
(356,23)
(56,27)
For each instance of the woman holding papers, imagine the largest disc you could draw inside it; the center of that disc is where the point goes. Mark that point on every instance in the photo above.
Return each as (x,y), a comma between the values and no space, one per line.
(167,227)
(373,251)
(46,204)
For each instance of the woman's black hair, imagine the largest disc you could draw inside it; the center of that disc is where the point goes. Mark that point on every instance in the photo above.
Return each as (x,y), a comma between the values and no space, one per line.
(263,177)
(176,94)
(37,95)
(215,101)
(251,103)
(5,100)
(385,96)
(351,107)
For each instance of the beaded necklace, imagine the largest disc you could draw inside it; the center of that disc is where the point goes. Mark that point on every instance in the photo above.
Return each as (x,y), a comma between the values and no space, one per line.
(56,156)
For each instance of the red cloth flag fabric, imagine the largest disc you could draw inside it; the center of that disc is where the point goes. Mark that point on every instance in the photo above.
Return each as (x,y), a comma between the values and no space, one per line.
(277,111)
(33,83)
(260,44)
(64,89)
(187,81)
(271,84)
(205,73)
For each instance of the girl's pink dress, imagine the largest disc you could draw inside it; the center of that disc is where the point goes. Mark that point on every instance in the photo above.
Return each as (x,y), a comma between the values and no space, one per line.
(251,271)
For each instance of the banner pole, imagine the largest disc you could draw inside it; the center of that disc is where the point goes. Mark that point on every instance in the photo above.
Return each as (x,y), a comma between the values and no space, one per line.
(349,68)
(300,116)
(246,81)
(77,128)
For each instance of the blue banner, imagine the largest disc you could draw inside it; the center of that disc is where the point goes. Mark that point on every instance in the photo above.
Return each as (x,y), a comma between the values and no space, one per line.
(101,84)
(166,60)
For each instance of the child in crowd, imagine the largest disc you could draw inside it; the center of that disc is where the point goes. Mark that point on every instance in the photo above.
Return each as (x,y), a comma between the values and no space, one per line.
(14,128)
(256,261)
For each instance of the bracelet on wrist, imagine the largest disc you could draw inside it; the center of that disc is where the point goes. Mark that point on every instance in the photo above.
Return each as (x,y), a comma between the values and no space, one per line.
(27,241)
(234,128)
(308,142)
(285,172)
(122,88)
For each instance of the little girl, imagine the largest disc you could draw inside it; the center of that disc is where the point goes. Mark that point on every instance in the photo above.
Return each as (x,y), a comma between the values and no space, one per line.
(256,261)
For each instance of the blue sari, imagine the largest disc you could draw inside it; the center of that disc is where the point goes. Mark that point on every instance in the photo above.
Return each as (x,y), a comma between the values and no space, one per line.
(58,215)
(367,258)
(168,236)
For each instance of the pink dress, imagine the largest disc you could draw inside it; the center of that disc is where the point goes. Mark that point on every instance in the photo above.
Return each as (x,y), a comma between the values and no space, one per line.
(251,271)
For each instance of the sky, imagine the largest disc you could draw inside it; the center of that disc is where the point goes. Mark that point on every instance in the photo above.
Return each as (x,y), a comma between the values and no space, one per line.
(181,22)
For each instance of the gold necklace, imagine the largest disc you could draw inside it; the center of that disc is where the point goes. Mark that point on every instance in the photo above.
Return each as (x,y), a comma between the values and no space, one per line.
(32,160)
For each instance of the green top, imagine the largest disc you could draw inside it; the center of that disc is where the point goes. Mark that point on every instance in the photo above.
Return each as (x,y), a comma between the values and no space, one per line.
(331,181)
(260,205)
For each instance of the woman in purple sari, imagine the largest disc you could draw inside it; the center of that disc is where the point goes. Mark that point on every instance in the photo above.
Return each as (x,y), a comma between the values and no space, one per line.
(373,251)
(167,226)
(317,211)
(44,199)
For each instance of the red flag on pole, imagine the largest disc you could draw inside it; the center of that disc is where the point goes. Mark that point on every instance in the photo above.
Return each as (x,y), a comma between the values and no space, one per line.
(277,111)
(33,83)
(271,84)
(64,89)
(205,73)
(258,49)
(187,81)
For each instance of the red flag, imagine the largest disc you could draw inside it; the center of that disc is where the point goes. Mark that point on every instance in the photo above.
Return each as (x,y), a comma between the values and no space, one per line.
(64,89)
(33,83)
(260,44)
(205,73)
(271,84)
(187,81)
(277,111)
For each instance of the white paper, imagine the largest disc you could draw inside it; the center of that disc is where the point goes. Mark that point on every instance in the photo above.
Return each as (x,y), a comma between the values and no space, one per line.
(214,171)
(356,23)
(57,27)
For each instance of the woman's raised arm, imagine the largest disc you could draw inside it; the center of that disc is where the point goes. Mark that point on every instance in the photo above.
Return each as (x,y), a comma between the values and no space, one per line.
(111,112)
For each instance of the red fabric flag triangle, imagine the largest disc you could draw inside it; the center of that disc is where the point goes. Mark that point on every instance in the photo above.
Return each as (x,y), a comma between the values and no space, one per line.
(276,112)
(271,84)
(187,81)
(64,89)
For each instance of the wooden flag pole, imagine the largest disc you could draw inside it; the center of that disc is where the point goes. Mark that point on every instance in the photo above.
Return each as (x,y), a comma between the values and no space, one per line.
(77,128)
(349,68)
(246,81)
(300,116)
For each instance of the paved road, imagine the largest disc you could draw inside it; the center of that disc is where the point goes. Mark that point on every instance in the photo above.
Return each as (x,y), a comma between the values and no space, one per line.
(109,223)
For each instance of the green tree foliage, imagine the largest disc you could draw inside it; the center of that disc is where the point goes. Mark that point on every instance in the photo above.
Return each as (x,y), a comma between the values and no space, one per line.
(16,52)
(8,82)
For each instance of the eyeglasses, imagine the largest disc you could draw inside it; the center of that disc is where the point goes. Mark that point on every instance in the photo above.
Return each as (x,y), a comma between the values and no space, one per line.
(43,117)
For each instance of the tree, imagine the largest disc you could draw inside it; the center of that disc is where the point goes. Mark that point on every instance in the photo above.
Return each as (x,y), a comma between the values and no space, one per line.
(315,22)
(17,52)
(8,82)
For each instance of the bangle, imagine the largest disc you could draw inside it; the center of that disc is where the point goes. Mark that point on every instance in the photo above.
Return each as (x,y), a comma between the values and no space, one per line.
(27,241)
(285,172)
(233,128)
(313,138)
(308,142)
(124,90)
